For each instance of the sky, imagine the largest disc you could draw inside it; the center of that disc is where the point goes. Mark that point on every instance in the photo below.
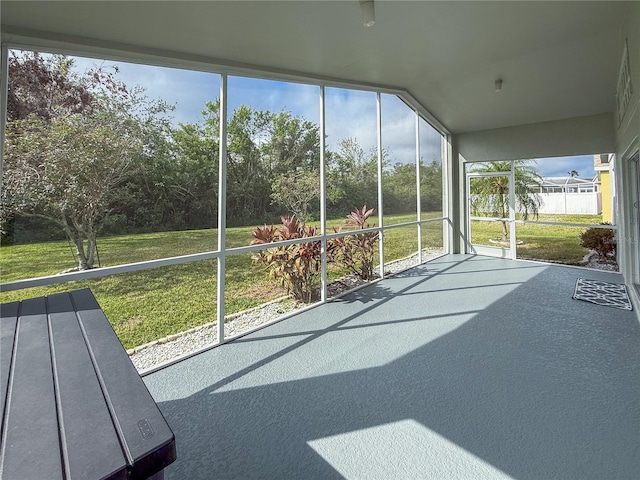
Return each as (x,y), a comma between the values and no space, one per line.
(349,113)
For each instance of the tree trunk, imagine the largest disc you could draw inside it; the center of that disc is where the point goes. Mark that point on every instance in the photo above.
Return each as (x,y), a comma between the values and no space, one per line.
(505,234)
(84,259)
(80,255)
(91,250)
(503,213)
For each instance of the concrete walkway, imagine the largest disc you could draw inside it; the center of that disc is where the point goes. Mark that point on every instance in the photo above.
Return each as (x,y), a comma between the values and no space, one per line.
(465,367)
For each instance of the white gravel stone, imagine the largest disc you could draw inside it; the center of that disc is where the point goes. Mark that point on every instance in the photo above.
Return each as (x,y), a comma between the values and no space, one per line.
(592,260)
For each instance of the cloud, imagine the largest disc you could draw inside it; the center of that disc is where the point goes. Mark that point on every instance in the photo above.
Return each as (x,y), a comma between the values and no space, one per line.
(187,90)
(297,99)
(430,143)
(349,113)
(398,130)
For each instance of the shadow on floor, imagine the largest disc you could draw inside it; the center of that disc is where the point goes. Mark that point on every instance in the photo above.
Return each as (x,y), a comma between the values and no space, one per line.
(464,367)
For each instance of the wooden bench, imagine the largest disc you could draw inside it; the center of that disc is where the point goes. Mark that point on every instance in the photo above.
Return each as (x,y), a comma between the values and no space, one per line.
(72,403)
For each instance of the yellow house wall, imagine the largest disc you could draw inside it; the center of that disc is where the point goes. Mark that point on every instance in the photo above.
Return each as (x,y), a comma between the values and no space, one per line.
(605,188)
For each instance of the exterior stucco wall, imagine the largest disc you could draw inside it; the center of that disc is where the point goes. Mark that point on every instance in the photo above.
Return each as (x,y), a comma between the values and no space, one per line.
(627,132)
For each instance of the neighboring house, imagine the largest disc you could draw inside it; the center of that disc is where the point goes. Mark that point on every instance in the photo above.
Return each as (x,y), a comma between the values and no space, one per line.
(567,184)
(604,167)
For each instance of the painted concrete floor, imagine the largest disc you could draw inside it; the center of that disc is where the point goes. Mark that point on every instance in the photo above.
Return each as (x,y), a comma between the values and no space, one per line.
(464,367)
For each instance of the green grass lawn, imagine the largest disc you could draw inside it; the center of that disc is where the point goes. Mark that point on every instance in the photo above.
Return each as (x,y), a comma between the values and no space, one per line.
(552,243)
(150,304)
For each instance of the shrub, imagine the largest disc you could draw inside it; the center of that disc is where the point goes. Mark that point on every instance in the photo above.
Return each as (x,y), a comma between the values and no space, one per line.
(602,240)
(355,252)
(296,266)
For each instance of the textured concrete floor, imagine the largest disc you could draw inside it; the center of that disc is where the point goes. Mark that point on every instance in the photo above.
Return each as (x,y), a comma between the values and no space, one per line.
(465,367)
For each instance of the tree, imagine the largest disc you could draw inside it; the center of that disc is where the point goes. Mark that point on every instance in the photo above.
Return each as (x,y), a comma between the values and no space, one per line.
(64,163)
(45,85)
(297,192)
(193,190)
(41,85)
(66,171)
(265,152)
(400,189)
(352,177)
(248,190)
(490,195)
(294,144)
(431,186)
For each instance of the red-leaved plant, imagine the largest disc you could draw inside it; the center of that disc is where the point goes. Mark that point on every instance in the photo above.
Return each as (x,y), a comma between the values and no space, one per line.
(355,252)
(296,267)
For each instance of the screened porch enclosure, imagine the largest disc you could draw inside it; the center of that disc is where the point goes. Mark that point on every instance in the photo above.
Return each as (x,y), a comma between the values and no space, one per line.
(474,364)
(215,167)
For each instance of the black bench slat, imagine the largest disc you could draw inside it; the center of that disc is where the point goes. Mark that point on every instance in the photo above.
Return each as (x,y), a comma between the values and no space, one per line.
(30,439)
(8,324)
(147,439)
(90,443)
(73,405)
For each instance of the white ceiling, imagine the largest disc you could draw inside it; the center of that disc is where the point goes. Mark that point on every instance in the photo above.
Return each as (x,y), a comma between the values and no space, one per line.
(557,59)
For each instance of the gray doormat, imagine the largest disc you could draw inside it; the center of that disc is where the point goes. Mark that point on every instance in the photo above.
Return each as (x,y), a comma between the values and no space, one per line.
(603,293)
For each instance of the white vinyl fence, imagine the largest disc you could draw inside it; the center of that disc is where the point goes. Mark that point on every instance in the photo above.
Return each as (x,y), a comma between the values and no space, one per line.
(588,203)
(571,203)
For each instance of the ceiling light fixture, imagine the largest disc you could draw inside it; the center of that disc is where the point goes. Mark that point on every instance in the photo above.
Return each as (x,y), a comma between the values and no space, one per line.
(499,85)
(368,12)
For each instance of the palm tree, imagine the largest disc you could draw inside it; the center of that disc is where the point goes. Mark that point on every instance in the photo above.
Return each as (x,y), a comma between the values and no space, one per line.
(490,195)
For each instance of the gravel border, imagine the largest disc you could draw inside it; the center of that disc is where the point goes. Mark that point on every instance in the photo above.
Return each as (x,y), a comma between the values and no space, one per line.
(153,355)
(592,260)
